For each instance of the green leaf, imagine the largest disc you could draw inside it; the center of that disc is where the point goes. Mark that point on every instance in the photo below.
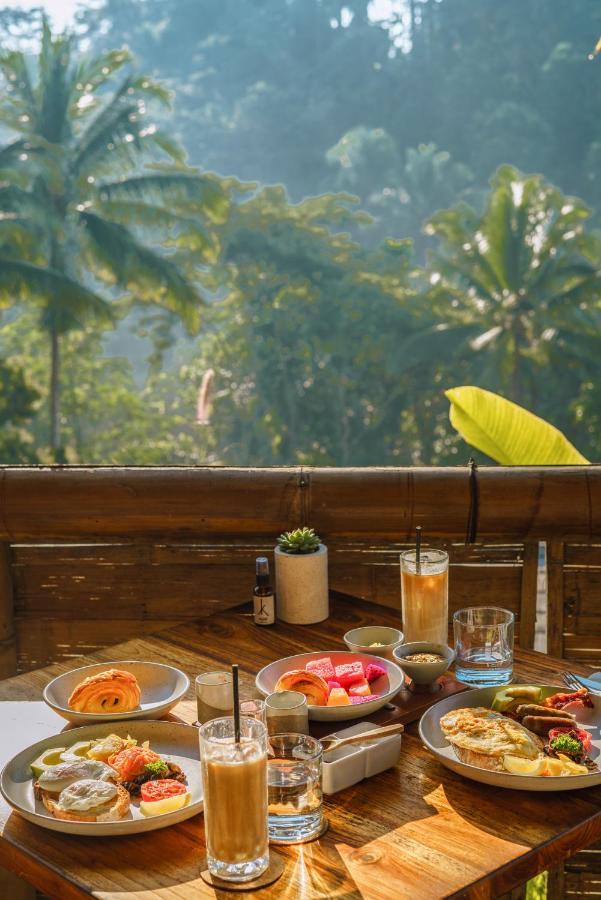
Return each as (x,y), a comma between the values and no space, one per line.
(508,433)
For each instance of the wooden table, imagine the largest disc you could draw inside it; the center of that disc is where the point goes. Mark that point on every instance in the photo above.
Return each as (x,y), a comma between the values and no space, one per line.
(416,831)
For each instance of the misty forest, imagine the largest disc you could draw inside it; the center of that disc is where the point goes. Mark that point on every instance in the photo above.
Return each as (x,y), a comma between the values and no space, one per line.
(262,232)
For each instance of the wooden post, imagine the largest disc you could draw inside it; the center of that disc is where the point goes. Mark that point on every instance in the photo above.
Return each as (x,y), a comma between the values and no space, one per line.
(555,560)
(8,642)
(528,596)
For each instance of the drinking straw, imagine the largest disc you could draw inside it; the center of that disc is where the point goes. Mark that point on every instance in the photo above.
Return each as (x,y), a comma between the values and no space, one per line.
(418,550)
(236,704)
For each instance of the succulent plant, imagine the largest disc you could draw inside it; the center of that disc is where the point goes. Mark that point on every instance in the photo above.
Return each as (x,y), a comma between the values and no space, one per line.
(301,540)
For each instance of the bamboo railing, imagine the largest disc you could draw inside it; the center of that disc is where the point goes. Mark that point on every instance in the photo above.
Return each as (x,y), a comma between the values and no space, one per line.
(159,545)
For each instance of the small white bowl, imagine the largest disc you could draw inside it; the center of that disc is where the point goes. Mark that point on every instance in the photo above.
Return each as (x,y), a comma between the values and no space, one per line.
(360,640)
(419,672)
(161,687)
(351,764)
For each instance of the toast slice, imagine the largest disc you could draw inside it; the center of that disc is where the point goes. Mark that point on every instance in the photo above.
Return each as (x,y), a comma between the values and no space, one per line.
(106,813)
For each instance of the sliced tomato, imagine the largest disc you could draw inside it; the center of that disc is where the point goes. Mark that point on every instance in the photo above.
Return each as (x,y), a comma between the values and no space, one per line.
(583,736)
(161,788)
(130,762)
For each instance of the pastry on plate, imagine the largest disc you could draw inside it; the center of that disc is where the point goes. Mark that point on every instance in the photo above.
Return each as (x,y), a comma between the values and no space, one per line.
(111,691)
(90,800)
(311,685)
(482,737)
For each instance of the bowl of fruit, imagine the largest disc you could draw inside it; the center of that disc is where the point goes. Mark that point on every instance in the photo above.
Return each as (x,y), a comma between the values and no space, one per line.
(338,685)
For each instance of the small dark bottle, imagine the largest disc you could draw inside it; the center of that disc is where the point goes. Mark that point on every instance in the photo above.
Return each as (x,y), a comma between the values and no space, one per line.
(264,600)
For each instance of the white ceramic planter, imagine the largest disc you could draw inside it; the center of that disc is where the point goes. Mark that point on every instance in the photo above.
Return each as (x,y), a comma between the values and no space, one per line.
(302,586)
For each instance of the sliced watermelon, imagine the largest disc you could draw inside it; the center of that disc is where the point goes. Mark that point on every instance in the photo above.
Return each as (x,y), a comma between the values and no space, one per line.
(350,673)
(322,667)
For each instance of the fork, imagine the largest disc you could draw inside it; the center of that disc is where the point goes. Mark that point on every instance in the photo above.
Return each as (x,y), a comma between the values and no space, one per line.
(576,682)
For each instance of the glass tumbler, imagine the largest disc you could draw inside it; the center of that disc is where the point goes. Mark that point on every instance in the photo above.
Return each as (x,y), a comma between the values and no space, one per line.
(295,794)
(425,596)
(234,781)
(214,697)
(484,645)
(287,711)
(253,709)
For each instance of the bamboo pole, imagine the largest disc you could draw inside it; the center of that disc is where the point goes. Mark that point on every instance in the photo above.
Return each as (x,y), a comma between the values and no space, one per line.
(386,504)
(8,644)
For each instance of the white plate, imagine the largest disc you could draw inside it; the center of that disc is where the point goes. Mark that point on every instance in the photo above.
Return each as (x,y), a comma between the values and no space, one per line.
(176,742)
(161,687)
(386,686)
(432,736)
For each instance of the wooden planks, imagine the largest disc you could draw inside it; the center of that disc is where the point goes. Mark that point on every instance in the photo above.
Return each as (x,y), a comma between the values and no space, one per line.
(415,831)
(72,599)
(8,640)
(73,503)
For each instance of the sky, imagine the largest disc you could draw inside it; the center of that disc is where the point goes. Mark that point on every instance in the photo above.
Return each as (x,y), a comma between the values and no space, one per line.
(61,11)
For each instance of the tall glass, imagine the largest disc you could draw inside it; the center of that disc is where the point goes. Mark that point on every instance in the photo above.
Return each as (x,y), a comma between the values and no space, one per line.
(234,781)
(484,645)
(425,596)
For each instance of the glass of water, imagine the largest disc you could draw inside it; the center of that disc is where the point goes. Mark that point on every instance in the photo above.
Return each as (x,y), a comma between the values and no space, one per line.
(294,788)
(484,645)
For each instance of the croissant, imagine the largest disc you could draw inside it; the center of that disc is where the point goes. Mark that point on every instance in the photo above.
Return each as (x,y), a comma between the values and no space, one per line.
(312,686)
(111,691)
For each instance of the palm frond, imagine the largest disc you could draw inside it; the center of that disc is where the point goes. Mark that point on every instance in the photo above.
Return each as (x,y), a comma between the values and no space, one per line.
(116,256)
(145,217)
(93,73)
(25,281)
(112,133)
(188,189)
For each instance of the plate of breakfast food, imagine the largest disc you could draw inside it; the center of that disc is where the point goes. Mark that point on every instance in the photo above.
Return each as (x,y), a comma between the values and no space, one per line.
(523,736)
(338,685)
(106,780)
(117,690)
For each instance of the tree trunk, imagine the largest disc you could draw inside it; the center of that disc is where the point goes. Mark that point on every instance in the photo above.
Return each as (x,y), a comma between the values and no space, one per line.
(55,425)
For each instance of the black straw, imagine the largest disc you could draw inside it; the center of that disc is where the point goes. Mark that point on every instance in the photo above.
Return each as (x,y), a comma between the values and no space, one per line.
(418,550)
(236,704)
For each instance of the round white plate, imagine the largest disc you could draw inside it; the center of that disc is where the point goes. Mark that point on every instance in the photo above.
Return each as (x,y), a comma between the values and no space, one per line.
(161,687)
(386,686)
(176,742)
(432,736)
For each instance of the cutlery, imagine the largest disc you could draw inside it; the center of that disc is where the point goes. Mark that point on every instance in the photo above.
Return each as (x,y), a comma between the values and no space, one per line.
(579,681)
(334,743)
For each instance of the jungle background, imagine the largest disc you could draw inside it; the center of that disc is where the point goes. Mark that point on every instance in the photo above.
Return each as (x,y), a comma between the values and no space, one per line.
(259,232)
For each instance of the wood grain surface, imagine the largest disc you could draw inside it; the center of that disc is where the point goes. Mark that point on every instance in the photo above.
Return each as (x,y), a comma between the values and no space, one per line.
(417,831)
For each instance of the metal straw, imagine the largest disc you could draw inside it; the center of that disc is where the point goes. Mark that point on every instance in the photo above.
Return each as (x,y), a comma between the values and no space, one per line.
(236,703)
(418,550)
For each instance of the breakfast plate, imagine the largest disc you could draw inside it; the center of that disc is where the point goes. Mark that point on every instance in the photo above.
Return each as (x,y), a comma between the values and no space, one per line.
(432,735)
(176,742)
(161,687)
(383,688)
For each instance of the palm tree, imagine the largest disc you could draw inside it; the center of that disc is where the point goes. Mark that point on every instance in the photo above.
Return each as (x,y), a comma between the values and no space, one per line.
(525,272)
(97,207)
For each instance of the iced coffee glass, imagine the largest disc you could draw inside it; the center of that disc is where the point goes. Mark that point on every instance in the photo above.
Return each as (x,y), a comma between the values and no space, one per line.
(234,781)
(425,596)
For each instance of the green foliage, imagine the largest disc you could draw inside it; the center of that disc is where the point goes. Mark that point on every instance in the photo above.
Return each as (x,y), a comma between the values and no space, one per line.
(301,540)
(86,223)
(508,433)
(527,273)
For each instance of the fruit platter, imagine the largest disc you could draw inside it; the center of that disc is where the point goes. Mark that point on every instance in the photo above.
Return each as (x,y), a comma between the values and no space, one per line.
(107,780)
(524,737)
(338,685)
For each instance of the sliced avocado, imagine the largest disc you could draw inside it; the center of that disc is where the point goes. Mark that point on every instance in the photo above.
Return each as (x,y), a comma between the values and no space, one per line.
(79,750)
(517,692)
(46,759)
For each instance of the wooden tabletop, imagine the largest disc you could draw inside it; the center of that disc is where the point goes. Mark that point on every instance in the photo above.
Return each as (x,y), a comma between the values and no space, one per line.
(416,831)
